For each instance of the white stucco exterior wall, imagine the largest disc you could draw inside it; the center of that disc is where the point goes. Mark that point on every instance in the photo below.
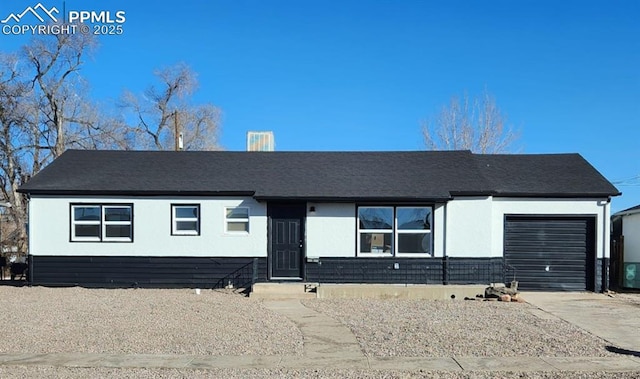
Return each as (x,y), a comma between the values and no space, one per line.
(463,227)
(438,230)
(331,231)
(631,232)
(468,227)
(49,229)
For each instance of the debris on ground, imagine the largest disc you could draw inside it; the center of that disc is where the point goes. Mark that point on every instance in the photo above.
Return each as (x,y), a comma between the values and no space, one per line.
(501,292)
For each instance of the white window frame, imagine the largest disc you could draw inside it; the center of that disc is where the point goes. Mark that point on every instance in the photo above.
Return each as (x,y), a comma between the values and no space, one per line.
(395,232)
(243,220)
(102,223)
(413,231)
(175,219)
(75,222)
(374,231)
(106,223)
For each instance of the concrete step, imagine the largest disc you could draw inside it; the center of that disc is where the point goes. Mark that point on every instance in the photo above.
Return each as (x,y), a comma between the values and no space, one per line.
(398,291)
(283,291)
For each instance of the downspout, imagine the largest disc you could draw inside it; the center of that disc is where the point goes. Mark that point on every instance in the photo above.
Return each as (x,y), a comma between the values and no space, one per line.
(29,256)
(445,259)
(606,220)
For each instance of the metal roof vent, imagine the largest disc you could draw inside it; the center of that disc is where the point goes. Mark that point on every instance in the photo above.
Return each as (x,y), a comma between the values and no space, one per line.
(260,141)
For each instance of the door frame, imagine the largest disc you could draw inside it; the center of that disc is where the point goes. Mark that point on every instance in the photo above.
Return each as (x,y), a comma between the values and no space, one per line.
(300,209)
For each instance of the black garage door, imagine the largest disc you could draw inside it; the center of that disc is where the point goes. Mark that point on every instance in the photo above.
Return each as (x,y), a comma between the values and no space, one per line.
(551,253)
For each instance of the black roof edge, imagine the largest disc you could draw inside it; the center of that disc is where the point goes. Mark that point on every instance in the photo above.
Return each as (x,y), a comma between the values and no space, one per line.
(316,199)
(472,193)
(137,193)
(555,195)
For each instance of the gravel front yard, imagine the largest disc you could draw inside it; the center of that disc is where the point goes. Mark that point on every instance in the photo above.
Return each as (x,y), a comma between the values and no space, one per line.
(148,321)
(142,321)
(415,328)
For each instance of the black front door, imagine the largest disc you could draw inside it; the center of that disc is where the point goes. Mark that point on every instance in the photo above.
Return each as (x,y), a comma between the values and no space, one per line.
(286,236)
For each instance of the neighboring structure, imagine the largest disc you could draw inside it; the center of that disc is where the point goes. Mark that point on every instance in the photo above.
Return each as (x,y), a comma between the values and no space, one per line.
(208,219)
(626,242)
(260,141)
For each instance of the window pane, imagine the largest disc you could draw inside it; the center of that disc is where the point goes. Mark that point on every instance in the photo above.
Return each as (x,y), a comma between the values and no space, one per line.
(118,231)
(418,218)
(187,226)
(237,212)
(117,214)
(238,226)
(375,242)
(416,243)
(186,212)
(90,213)
(375,218)
(87,230)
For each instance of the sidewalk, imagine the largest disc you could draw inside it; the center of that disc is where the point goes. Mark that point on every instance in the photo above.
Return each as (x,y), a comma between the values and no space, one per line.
(513,364)
(610,318)
(327,343)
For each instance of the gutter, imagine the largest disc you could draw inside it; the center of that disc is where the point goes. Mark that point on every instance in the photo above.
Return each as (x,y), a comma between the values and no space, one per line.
(354,199)
(134,193)
(556,195)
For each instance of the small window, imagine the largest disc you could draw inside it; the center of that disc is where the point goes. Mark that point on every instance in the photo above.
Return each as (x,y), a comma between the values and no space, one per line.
(413,230)
(85,223)
(102,222)
(117,223)
(237,220)
(375,226)
(185,219)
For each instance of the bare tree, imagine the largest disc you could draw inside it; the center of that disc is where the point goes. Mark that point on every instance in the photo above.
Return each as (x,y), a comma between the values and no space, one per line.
(17,115)
(165,112)
(67,119)
(470,124)
(43,111)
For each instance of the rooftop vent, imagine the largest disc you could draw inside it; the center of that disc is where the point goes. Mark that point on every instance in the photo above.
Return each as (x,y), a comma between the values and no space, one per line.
(260,141)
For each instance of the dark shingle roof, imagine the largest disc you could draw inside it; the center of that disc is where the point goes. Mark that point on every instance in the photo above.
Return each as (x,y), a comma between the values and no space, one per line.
(400,176)
(554,175)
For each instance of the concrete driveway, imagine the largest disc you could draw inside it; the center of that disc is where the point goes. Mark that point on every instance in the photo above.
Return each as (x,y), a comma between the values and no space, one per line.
(614,318)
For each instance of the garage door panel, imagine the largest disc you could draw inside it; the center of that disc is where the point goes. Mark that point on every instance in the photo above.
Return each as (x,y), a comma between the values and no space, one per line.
(547,248)
(535,272)
(543,229)
(545,259)
(542,232)
(550,252)
(567,240)
(549,237)
(558,243)
(547,283)
(553,265)
(551,286)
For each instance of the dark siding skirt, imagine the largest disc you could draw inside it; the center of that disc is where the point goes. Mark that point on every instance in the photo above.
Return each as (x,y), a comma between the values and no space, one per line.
(202,272)
(408,270)
(147,272)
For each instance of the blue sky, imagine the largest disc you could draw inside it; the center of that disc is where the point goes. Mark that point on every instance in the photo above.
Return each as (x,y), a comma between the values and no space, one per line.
(362,75)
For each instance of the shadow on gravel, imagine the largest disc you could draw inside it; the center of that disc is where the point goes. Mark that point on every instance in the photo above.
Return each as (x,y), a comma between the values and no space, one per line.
(618,350)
